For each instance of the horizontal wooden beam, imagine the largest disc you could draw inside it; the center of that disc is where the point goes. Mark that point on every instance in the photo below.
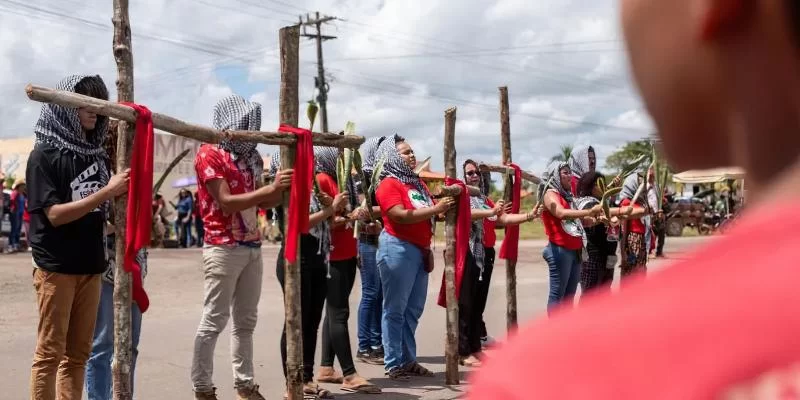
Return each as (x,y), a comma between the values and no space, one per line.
(446,191)
(181,128)
(504,169)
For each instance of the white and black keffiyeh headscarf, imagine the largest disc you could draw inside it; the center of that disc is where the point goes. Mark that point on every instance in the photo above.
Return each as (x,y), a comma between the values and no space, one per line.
(554,172)
(325,159)
(629,188)
(369,151)
(395,167)
(478,202)
(320,231)
(236,113)
(579,161)
(60,127)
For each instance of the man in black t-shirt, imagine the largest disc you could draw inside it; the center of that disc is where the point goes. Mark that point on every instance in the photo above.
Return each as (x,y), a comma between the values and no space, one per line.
(69,197)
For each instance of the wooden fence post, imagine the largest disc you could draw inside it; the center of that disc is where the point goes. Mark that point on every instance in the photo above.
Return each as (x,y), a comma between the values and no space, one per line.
(451,349)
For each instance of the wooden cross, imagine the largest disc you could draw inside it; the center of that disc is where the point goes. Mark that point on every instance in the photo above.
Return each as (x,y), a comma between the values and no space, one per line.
(289,105)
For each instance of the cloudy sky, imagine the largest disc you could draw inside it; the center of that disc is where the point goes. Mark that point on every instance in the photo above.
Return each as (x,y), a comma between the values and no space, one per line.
(395,67)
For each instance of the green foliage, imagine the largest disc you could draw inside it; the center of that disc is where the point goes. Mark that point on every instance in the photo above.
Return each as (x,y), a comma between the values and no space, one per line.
(628,153)
(564,153)
(9,182)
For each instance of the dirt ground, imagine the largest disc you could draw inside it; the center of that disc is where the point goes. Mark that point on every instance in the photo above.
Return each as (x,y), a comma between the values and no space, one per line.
(175,287)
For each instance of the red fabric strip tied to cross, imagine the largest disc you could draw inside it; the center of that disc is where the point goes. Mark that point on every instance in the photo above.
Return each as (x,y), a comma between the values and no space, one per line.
(463,226)
(139,215)
(300,194)
(509,250)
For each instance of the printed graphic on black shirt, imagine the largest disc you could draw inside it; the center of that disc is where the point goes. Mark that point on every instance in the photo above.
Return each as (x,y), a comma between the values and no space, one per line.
(82,187)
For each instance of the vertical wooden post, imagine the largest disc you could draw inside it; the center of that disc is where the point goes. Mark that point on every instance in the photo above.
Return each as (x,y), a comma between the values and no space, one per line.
(451,349)
(289,114)
(123,55)
(511,265)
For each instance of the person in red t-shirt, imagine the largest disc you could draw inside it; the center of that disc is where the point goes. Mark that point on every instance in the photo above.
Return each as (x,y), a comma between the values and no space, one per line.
(404,255)
(474,290)
(634,230)
(564,229)
(229,191)
(721,323)
(341,277)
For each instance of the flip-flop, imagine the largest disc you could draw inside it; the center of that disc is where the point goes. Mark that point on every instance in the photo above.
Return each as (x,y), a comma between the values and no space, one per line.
(331,379)
(366,388)
(314,390)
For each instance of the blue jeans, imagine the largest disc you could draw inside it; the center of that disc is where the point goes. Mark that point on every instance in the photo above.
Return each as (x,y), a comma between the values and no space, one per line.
(369,310)
(405,287)
(16,230)
(565,273)
(98,368)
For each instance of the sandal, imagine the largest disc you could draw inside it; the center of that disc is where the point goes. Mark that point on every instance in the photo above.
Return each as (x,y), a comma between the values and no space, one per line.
(398,374)
(471,361)
(366,388)
(417,370)
(333,377)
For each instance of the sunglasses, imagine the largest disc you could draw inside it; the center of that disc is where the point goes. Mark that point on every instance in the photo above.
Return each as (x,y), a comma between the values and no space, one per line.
(471,173)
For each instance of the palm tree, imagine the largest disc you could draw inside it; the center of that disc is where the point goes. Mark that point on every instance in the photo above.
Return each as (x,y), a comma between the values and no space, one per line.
(564,154)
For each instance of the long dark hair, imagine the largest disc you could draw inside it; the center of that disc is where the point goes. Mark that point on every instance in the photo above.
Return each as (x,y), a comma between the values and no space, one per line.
(485,176)
(587,183)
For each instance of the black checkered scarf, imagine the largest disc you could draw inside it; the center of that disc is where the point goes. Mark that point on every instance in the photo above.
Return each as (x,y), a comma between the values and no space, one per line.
(60,127)
(395,167)
(236,113)
(579,161)
(629,188)
(554,172)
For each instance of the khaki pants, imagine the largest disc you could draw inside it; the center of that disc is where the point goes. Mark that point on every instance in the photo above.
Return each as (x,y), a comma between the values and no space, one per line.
(232,277)
(67,315)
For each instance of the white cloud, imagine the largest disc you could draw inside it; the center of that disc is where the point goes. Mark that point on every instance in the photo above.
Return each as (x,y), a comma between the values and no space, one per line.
(562,61)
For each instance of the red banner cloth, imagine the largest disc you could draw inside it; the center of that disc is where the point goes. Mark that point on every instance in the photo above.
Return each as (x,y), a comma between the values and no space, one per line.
(509,250)
(139,216)
(300,195)
(463,226)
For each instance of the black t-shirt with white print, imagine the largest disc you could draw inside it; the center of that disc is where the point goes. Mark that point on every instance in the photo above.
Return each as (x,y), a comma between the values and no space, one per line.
(57,176)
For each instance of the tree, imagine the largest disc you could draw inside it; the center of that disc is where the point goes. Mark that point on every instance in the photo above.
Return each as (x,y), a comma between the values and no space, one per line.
(564,154)
(626,154)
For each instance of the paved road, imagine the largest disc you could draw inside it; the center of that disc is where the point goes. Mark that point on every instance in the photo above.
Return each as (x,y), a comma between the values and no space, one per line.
(175,287)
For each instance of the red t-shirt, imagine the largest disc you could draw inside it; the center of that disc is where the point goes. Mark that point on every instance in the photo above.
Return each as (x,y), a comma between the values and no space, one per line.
(345,246)
(708,327)
(391,192)
(636,225)
(212,163)
(489,235)
(555,231)
(574,185)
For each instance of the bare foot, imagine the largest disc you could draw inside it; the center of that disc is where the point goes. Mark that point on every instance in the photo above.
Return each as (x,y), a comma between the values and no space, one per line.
(329,375)
(471,361)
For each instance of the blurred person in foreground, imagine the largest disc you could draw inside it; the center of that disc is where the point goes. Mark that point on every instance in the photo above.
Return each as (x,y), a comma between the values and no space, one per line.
(721,74)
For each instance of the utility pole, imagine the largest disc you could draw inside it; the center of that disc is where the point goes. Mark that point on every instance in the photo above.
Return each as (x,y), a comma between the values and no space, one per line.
(319,81)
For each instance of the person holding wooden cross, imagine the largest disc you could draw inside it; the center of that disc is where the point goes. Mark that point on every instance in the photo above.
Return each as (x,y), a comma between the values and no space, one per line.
(478,272)
(70,192)
(404,256)
(230,190)
(315,248)
(342,265)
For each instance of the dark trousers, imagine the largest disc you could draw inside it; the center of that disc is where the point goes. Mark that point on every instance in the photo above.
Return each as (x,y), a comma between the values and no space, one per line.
(313,282)
(335,333)
(661,235)
(482,296)
(469,314)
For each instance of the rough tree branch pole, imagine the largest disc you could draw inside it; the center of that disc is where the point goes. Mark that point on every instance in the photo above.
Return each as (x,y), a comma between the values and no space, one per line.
(123,55)
(289,114)
(508,170)
(289,105)
(451,343)
(511,265)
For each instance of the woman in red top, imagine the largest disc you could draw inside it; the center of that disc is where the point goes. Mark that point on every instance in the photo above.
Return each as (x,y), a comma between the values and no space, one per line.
(343,262)
(478,272)
(634,249)
(565,234)
(404,255)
